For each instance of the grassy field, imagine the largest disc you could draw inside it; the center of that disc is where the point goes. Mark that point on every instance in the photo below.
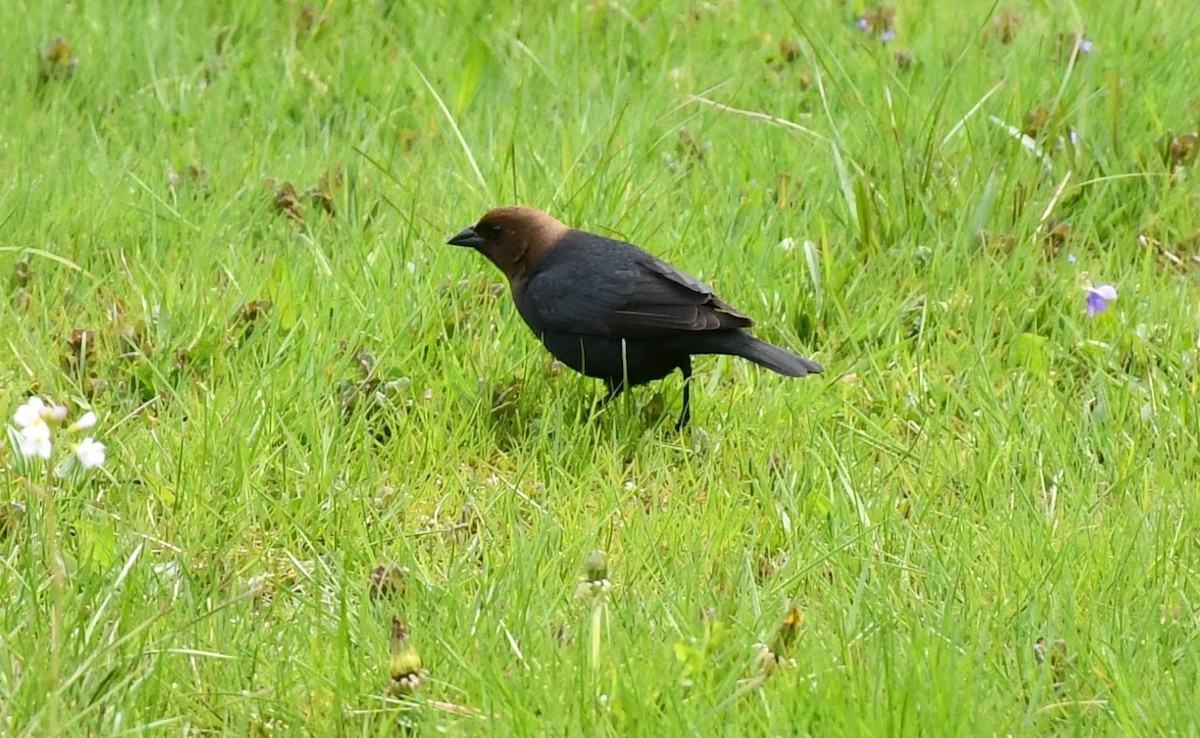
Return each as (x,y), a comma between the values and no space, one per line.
(222,229)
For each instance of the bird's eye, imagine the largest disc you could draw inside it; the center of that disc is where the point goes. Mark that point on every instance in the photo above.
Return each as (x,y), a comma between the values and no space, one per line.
(495,231)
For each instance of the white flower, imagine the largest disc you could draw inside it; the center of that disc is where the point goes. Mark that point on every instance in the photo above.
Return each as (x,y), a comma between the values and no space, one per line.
(35,410)
(90,453)
(55,412)
(87,421)
(36,424)
(34,440)
(29,413)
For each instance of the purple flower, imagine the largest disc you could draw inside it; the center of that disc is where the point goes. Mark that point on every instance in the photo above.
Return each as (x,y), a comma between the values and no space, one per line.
(887,35)
(1074,136)
(1072,258)
(1098,299)
(862,24)
(1085,45)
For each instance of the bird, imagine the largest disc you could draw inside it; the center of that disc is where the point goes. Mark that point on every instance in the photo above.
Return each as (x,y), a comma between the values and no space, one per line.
(611,310)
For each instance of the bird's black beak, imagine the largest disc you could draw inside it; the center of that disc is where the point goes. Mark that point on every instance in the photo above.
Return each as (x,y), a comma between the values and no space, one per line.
(467,237)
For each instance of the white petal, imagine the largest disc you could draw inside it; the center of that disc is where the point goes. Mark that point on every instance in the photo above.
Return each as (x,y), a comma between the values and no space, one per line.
(90,453)
(38,431)
(87,421)
(29,413)
(33,442)
(24,446)
(1106,292)
(55,412)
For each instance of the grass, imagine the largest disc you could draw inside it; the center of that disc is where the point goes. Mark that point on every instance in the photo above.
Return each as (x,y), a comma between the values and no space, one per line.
(982,518)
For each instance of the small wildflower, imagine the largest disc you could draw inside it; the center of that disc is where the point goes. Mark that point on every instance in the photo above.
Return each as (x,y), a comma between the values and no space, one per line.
(88,420)
(1072,258)
(55,413)
(1098,299)
(29,413)
(90,453)
(35,411)
(1074,137)
(1073,45)
(594,583)
(777,652)
(37,423)
(404,666)
(34,440)
(878,21)
(785,637)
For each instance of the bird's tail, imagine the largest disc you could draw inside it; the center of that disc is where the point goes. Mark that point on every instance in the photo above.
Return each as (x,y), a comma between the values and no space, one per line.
(771,356)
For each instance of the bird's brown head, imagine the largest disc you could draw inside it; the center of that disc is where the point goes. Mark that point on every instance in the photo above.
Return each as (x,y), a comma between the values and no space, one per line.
(513,238)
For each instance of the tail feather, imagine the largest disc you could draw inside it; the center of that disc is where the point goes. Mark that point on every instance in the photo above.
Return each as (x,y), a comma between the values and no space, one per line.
(771,356)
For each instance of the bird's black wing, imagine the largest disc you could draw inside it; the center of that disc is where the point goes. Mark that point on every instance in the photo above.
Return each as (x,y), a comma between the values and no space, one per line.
(597,286)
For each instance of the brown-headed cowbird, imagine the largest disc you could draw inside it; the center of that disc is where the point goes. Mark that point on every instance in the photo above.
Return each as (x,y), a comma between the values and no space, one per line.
(610,310)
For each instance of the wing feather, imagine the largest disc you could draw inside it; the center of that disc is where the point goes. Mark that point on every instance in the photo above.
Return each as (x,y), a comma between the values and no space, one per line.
(597,286)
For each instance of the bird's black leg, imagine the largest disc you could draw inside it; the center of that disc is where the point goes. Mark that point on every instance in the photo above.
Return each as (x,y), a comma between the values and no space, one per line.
(686,415)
